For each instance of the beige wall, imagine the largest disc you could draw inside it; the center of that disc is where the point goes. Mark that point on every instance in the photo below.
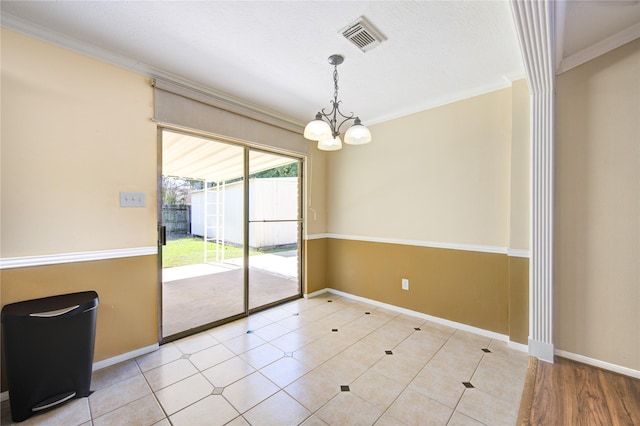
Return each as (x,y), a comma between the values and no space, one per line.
(315,262)
(519,198)
(76,132)
(520,170)
(439,175)
(597,209)
(442,175)
(315,196)
(457,174)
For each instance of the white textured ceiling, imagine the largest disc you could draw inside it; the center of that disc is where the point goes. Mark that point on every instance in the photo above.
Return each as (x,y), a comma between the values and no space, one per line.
(273,55)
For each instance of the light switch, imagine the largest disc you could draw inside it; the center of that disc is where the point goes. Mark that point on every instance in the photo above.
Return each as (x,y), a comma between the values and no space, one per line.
(132,199)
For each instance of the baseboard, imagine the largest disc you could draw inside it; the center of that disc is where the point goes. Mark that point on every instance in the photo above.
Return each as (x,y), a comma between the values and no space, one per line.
(458,325)
(4,396)
(541,350)
(599,364)
(518,346)
(124,357)
(315,293)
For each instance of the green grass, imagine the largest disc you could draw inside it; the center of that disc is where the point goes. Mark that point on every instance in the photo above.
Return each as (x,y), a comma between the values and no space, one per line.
(190,251)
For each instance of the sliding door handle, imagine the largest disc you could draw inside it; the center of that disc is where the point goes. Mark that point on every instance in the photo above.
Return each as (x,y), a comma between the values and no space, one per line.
(162,235)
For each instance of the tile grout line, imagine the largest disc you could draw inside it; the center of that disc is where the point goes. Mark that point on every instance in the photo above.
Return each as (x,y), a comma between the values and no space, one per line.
(91,410)
(416,375)
(341,324)
(360,339)
(466,389)
(155,397)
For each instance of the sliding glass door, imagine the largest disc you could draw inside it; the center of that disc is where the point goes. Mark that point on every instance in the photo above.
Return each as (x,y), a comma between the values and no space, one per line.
(203,273)
(274,229)
(229,222)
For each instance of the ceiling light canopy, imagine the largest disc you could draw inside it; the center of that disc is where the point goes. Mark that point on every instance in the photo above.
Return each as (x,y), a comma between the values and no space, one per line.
(325,128)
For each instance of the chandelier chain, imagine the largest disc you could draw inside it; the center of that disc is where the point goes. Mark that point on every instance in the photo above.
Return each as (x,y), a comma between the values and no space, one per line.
(335,82)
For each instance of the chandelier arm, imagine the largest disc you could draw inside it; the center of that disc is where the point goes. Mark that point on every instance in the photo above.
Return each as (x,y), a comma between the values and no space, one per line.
(351,116)
(344,121)
(332,118)
(328,115)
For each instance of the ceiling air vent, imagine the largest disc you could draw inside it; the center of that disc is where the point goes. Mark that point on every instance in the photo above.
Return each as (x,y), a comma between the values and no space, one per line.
(362,34)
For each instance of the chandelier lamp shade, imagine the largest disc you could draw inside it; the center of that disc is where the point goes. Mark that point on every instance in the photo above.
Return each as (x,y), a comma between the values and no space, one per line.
(325,128)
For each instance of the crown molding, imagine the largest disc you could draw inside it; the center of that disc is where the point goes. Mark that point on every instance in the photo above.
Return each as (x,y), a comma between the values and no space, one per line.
(504,82)
(600,48)
(223,100)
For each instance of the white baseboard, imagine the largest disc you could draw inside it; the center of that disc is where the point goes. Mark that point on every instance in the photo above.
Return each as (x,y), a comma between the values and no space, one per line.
(124,357)
(518,346)
(4,396)
(465,327)
(460,326)
(541,350)
(599,364)
(315,293)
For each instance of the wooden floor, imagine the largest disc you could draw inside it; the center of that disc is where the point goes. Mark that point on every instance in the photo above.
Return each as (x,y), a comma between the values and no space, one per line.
(571,393)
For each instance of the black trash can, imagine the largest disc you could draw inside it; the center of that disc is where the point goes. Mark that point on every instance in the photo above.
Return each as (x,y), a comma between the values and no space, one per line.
(48,347)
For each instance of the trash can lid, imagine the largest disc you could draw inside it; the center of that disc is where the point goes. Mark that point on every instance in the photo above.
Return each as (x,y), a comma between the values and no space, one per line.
(85,300)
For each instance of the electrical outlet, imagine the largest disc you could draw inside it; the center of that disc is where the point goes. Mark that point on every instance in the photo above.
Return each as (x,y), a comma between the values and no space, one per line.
(132,199)
(405,284)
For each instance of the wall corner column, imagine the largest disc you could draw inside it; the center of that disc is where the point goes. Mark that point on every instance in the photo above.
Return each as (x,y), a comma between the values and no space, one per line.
(535,27)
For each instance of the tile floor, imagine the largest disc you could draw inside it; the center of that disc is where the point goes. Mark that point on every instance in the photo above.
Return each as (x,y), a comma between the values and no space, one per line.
(326,360)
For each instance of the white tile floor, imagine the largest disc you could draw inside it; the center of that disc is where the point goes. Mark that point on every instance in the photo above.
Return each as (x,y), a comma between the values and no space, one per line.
(327,360)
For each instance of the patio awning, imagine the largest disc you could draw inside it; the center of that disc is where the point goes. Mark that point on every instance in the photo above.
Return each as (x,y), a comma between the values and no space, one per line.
(192,157)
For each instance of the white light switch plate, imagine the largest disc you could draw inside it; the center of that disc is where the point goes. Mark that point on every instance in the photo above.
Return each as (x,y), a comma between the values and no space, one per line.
(132,199)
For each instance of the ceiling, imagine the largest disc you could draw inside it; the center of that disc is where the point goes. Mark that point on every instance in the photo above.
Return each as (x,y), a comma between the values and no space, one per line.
(272,56)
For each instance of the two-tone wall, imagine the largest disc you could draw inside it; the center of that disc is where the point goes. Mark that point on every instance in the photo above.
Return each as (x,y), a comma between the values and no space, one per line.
(76,132)
(437,198)
(440,198)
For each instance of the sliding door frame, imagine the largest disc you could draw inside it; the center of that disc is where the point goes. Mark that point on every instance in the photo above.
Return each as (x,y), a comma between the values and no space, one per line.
(299,220)
(247,148)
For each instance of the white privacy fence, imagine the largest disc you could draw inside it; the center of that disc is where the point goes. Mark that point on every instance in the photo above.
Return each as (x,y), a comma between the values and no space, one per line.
(219,212)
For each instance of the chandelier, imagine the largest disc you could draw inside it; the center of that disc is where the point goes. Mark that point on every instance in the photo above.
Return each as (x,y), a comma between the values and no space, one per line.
(325,128)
